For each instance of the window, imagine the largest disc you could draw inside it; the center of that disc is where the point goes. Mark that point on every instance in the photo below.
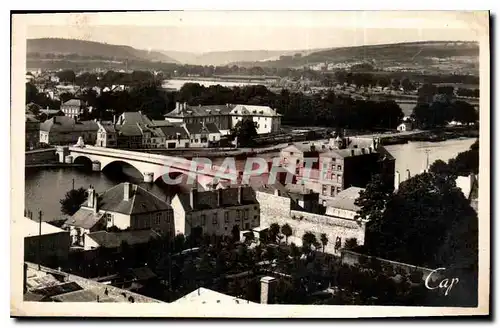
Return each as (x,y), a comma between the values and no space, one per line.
(324,190)
(237,215)
(226,217)
(203,219)
(339,178)
(157,218)
(339,167)
(214,219)
(247,226)
(332,190)
(339,189)
(246,214)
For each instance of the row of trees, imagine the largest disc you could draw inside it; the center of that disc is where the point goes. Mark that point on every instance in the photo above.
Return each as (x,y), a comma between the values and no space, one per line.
(440,113)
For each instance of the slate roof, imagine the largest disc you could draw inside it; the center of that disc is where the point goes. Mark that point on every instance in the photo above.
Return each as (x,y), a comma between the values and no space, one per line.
(84,218)
(132,118)
(304,147)
(345,199)
(85,295)
(129,130)
(198,128)
(108,127)
(67,124)
(115,239)
(173,131)
(208,199)
(254,110)
(141,201)
(55,290)
(73,102)
(212,110)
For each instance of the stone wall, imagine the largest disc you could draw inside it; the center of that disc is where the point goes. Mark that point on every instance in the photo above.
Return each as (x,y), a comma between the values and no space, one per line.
(353,258)
(277,209)
(40,156)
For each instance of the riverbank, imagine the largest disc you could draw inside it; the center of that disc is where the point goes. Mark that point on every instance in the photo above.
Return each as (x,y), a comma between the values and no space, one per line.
(51,165)
(430,136)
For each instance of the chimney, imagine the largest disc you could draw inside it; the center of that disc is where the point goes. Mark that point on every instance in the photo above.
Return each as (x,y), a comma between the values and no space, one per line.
(219,197)
(114,119)
(352,152)
(193,198)
(95,202)
(276,192)
(90,197)
(126,191)
(177,105)
(397,181)
(267,289)
(185,105)
(313,148)
(240,194)
(408,175)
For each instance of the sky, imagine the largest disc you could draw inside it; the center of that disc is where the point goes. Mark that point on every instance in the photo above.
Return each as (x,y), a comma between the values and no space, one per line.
(253,30)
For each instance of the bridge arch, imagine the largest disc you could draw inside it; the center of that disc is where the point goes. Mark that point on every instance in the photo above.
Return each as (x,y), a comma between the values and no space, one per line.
(82,159)
(119,167)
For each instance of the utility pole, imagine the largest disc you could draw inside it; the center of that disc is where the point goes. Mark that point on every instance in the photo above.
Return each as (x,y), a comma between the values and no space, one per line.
(39,238)
(73,185)
(427,160)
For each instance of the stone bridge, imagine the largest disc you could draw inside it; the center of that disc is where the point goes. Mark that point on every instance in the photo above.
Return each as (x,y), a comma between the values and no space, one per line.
(152,166)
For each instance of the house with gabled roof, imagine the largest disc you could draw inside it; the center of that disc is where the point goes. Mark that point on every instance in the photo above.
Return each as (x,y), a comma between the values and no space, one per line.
(73,107)
(125,206)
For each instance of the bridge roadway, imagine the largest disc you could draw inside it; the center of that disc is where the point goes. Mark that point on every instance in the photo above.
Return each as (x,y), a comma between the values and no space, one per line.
(152,166)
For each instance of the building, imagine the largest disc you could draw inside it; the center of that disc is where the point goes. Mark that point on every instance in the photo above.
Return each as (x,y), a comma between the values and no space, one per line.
(343,204)
(176,136)
(32,132)
(405,126)
(124,206)
(63,130)
(43,242)
(342,163)
(266,118)
(73,107)
(202,135)
(225,117)
(47,114)
(217,114)
(42,284)
(215,211)
(136,130)
(106,135)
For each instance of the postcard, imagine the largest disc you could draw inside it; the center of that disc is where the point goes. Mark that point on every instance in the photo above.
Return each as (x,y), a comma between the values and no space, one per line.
(250,164)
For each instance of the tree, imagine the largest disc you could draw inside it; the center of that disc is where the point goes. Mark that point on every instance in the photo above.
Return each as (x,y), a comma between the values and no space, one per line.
(351,243)
(373,200)
(308,240)
(245,131)
(287,231)
(31,93)
(249,236)
(235,232)
(274,229)
(66,76)
(431,206)
(179,242)
(65,96)
(324,240)
(72,201)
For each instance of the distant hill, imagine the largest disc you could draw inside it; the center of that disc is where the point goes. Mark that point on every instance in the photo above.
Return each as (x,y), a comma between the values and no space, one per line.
(410,54)
(53,46)
(221,58)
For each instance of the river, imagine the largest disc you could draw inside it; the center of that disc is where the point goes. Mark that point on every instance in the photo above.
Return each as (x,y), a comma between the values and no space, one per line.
(45,187)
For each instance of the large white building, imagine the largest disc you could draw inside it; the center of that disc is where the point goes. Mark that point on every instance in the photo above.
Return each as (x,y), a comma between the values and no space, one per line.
(225,117)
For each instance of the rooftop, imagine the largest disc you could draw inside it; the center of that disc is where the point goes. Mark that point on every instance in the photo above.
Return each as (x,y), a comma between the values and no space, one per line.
(115,239)
(209,199)
(345,199)
(67,124)
(208,296)
(73,102)
(31,228)
(198,128)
